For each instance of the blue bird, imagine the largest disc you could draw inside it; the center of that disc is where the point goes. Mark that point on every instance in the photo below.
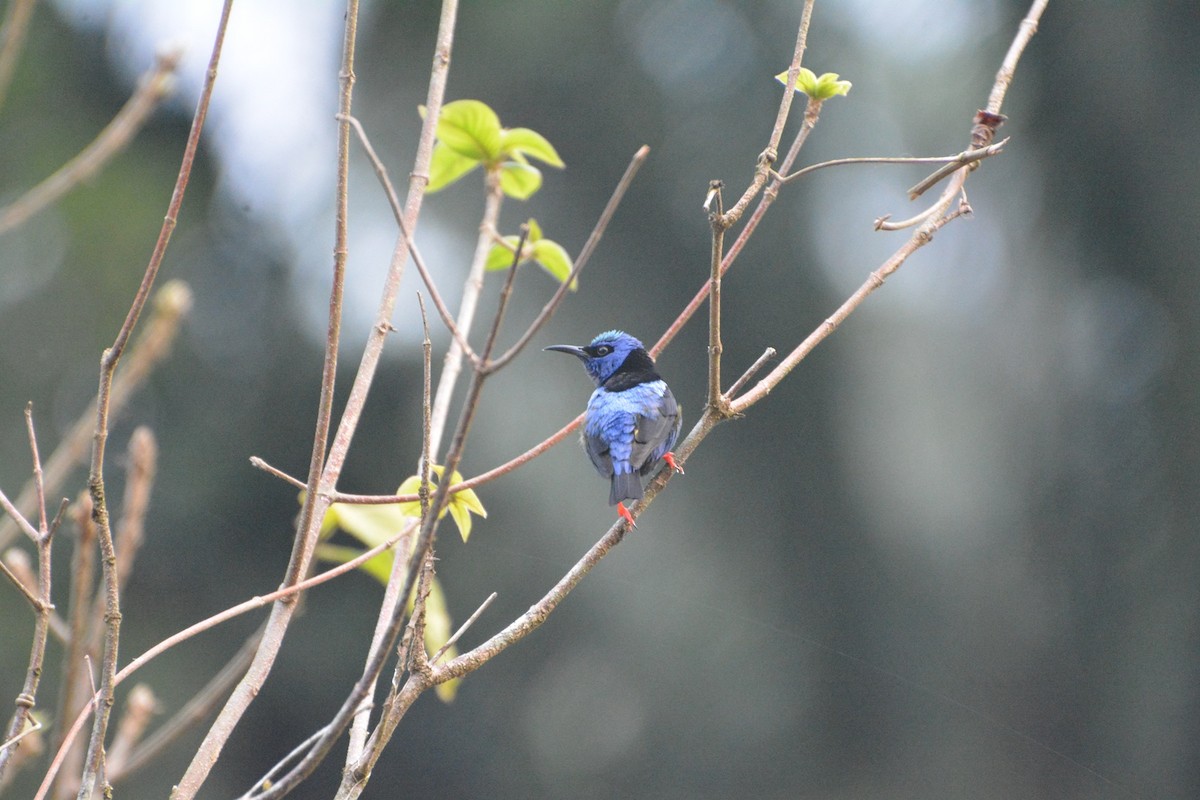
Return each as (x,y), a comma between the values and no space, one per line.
(632,419)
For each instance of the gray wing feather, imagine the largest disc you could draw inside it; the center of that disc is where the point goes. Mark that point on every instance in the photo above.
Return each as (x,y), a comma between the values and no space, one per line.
(655,435)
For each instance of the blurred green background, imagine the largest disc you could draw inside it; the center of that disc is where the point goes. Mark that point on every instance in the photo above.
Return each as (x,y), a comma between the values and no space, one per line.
(954,555)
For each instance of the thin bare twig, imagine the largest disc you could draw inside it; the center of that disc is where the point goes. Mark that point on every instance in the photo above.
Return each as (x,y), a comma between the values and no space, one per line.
(16,26)
(108,365)
(758,364)
(589,247)
(143,462)
(152,89)
(398,212)
(255,461)
(463,628)
(27,698)
(763,171)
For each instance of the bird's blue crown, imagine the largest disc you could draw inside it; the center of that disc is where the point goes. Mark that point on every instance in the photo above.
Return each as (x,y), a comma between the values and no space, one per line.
(607,353)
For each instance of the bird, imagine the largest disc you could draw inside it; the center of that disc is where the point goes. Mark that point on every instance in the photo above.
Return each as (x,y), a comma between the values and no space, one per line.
(632,419)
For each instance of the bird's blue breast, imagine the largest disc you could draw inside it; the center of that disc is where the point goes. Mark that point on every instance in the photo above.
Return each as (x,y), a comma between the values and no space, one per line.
(613,416)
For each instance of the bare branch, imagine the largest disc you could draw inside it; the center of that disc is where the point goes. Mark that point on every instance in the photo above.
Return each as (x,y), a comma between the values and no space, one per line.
(16,26)
(589,247)
(152,89)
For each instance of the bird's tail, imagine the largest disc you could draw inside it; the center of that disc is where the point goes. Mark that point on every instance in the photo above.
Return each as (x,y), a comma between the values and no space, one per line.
(625,486)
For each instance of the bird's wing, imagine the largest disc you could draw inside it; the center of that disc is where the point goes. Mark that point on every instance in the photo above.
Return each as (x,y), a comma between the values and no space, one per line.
(598,451)
(655,433)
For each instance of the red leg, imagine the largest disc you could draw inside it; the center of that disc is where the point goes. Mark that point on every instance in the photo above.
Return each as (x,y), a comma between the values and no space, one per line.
(670,459)
(623,512)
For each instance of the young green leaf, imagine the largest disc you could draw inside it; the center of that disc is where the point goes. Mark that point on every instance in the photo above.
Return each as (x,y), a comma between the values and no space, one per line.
(535,230)
(460,502)
(470,128)
(530,143)
(519,180)
(501,257)
(447,166)
(821,88)
(554,259)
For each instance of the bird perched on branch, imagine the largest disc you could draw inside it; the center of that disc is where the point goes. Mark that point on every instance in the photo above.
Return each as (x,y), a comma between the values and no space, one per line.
(632,419)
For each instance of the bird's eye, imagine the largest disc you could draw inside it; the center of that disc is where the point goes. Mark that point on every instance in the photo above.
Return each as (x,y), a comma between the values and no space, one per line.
(603,350)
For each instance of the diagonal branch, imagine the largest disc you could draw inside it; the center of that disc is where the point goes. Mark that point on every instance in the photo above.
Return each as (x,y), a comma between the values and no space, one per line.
(152,89)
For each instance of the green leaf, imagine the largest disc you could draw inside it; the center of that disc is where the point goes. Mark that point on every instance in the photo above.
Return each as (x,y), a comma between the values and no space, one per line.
(464,502)
(821,88)
(519,180)
(554,259)
(501,257)
(470,128)
(530,143)
(370,524)
(447,166)
(535,230)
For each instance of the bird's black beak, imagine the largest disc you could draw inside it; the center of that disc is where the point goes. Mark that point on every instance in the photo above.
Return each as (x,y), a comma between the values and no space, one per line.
(578,352)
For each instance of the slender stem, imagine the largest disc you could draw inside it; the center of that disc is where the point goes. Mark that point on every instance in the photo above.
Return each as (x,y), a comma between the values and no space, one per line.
(143,463)
(16,25)
(715,401)
(763,170)
(589,247)
(1008,67)
(398,212)
(452,365)
(153,88)
(27,698)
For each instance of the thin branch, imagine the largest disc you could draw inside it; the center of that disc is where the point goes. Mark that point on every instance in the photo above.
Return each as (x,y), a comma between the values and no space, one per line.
(255,461)
(108,365)
(714,400)
(972,156)
(16,26)
(171,304)
(72,686)
(463,628)
(152,89)
(763,171)
(143,462)
(18,517)
(478,480)
(958,159)
(42,604)
(17,582)
(589,247)
(398,212)
(1008,67)
(758,364)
